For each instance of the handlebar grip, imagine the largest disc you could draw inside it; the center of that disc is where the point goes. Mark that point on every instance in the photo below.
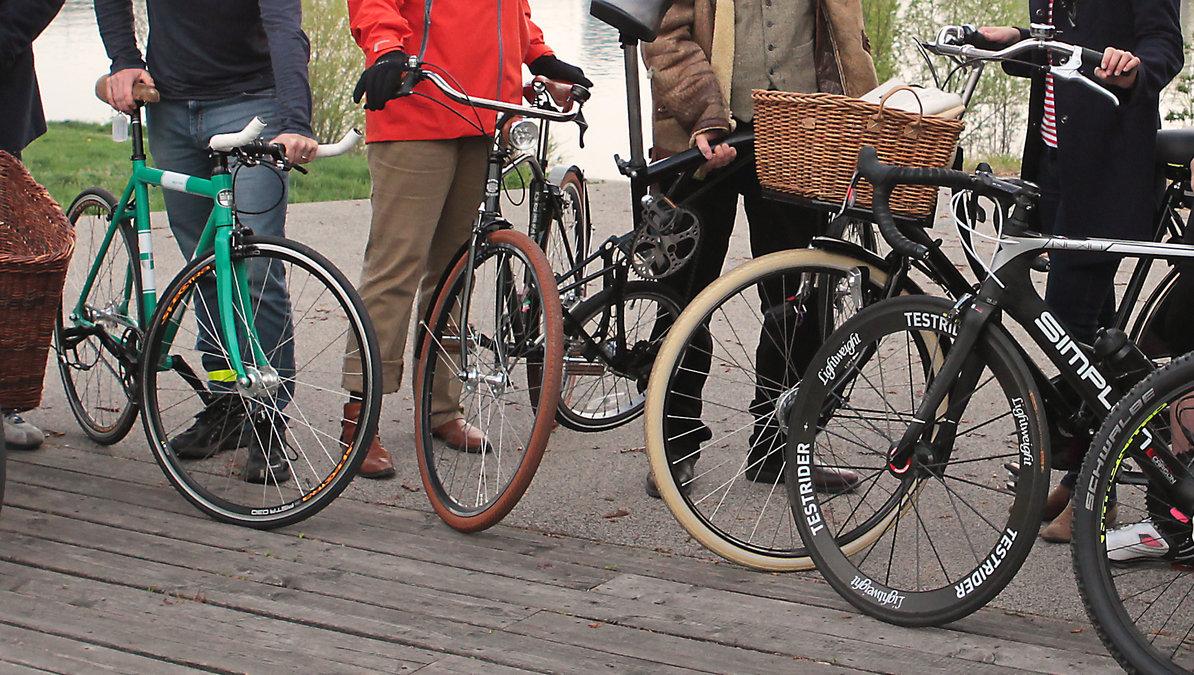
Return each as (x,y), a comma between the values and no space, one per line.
(1091,59)
(887,227)
(226,142)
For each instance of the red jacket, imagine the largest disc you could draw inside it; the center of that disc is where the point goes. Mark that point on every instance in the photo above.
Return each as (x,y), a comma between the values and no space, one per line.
(481,44)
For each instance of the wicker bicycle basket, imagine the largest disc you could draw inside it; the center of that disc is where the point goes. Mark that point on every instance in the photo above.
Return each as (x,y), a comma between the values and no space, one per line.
(807,145)
(36,243)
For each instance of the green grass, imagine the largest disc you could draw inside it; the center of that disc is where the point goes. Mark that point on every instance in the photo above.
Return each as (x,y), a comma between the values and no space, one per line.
(76,155)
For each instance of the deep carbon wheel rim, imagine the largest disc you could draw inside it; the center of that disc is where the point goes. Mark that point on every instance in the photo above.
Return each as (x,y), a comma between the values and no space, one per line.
(974,560)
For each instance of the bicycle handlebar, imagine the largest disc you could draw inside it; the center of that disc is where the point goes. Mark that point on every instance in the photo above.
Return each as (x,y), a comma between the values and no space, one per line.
(958,41)
(416,73)
(246,140)
(886,177)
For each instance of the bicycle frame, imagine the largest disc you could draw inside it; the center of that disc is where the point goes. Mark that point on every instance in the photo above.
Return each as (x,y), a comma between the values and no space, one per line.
(216,236)
(1009,290)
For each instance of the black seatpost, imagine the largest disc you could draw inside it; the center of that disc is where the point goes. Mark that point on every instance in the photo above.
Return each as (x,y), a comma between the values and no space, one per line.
(136,130)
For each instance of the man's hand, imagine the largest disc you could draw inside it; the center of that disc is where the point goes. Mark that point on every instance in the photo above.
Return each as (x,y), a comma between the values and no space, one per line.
(299,148)
(1000,35)
(1119,68)
(716,156)
(380,82)
(554,69)
(120,88)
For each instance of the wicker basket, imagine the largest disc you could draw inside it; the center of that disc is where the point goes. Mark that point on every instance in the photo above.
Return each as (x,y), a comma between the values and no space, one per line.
(36,243)
(807,145)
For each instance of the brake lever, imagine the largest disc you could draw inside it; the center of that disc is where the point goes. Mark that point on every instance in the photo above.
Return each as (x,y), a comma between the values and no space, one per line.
(583,125)
(1070,70)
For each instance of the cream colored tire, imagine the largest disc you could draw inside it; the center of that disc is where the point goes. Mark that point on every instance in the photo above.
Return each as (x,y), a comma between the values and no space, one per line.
(672,350)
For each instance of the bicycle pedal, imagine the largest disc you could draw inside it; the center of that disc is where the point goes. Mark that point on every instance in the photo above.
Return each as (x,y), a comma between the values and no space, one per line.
(581,367)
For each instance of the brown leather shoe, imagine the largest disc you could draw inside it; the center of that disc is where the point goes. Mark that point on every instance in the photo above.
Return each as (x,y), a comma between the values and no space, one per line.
(1059,531)
(377,462)
(461,435)
(1059,498)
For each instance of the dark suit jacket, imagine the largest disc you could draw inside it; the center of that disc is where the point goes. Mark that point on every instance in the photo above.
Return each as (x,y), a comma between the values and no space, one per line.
(1109,180)
(21,117)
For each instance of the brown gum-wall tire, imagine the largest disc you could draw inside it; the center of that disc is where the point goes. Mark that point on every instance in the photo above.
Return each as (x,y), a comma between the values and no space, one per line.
(551,378)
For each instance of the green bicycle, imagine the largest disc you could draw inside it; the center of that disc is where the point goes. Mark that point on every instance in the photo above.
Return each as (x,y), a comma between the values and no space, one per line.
(272,382)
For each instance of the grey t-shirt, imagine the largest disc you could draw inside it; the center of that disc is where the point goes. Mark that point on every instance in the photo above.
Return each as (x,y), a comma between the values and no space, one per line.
(212,49)
(773,49)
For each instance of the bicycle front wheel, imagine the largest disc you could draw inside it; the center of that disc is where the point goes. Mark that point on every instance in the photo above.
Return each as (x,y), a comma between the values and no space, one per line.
(1135,579)
(97,337)
(716,395)
(936,538)
(485,370)
(274,450)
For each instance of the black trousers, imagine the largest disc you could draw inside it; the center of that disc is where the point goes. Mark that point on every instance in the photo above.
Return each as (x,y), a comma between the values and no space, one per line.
(1081,286)
(785,343)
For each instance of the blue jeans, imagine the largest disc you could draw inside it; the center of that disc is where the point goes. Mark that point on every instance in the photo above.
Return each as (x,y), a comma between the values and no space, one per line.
(179,132)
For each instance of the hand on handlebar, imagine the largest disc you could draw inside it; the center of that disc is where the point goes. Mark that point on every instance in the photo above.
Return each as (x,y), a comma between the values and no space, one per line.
(716,156)
(554,69)
(1119,68)
(120,87)
(299,148)
(999,35)
(380,82)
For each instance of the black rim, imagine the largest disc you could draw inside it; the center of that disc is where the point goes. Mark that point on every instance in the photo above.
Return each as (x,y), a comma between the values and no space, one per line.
(344,462)
(521,341)
(1142,609)
(853,411)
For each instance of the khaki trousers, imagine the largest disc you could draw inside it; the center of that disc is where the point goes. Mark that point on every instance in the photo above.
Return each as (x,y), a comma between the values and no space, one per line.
(425,200)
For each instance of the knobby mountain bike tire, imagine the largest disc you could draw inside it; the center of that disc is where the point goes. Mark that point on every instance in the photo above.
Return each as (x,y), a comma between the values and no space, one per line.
(1140,609)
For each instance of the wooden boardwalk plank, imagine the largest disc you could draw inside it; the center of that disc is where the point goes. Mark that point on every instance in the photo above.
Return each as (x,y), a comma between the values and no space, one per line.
(180,630)
(400,581)
(34,650)
(872,645)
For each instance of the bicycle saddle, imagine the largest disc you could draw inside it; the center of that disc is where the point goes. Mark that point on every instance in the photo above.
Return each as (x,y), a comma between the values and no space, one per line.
(1175,146)
(634,19)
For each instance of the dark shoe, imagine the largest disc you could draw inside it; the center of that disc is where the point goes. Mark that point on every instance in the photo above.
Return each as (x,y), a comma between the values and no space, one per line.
(460,435)
(377,462)
(268,451)
(835,480)
(682,473)
(824,480)
(220,426)
(19,434)
(1059,498)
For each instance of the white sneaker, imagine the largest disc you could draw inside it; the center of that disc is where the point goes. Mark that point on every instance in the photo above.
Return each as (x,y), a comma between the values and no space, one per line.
(19,434)
(1143,541)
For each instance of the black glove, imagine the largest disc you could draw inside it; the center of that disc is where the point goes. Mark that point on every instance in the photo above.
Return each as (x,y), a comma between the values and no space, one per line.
(554,69)
(380,82)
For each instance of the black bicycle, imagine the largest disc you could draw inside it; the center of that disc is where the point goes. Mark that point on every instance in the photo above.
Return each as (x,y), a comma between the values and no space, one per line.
(929,398)
(739,511)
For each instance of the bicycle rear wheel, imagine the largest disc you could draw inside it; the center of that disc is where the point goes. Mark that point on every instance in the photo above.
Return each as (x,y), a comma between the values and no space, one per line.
(951,534)
(606,365)
(566,241)
(486,370)
(1136,579)
(274,451)
(97,346)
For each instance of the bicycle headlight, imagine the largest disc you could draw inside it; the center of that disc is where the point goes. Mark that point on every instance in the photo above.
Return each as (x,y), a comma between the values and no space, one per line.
(524,135)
